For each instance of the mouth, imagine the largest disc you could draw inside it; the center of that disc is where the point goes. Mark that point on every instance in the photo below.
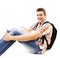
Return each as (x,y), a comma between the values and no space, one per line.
(39,18)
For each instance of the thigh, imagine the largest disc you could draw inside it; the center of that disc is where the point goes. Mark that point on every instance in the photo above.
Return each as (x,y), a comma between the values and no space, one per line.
(32,46)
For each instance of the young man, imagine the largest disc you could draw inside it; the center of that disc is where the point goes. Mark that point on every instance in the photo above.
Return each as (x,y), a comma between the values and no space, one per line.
(29,37)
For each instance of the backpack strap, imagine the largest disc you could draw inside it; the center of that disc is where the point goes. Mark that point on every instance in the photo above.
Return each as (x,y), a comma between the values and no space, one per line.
(44,37)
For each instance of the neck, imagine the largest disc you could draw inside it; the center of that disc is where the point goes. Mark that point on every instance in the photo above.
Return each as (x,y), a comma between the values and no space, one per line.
(41,23)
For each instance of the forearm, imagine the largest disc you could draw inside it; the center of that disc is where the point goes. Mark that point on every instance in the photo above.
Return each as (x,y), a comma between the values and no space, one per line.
(22,38)
(27,37)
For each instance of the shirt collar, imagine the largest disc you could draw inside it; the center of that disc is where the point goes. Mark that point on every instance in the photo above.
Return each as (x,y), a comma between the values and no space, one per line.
(42,22)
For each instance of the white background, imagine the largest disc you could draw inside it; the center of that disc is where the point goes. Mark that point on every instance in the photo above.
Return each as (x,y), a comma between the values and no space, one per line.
(14,13)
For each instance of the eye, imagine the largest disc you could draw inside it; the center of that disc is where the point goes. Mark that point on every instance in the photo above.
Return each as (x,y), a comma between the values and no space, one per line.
(37,14)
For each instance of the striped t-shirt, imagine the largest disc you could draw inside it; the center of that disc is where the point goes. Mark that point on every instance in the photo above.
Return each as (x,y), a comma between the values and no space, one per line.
(45,31)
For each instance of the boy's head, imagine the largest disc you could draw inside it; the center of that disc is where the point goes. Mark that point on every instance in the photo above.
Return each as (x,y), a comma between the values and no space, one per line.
(41,14)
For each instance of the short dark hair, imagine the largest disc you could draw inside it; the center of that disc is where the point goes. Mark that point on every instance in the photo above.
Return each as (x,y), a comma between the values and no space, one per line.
(41,9)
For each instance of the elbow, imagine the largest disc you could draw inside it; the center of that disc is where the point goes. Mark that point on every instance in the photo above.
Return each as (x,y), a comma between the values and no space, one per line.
(35,39)
(36,36)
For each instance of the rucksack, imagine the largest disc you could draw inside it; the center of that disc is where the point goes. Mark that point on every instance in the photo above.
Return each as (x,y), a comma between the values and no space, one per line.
(53,37)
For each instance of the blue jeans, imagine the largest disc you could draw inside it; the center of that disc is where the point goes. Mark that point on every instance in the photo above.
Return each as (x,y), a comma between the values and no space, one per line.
(4,45)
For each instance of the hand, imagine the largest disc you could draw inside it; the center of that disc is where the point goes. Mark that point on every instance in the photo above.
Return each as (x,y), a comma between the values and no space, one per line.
(24,30)
(7,37)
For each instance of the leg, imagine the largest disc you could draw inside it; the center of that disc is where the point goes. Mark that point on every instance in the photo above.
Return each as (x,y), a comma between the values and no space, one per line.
(32,46)
(4,45)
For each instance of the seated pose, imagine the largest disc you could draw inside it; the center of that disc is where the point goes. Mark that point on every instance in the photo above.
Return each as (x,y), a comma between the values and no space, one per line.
(30,37)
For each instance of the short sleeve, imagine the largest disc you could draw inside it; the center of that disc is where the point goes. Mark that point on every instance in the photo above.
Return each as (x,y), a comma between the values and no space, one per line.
(46,28)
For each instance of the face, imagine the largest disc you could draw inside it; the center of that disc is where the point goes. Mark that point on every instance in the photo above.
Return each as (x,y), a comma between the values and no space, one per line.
(41,16)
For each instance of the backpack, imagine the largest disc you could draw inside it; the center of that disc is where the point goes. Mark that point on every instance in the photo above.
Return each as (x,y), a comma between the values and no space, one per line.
(53,37)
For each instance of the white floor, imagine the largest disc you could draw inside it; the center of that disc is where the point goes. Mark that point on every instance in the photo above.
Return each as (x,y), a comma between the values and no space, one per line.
(14,13)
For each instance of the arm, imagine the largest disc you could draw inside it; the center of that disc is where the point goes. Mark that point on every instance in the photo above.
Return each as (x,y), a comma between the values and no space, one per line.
(25,30)
(29,36)
(25,37)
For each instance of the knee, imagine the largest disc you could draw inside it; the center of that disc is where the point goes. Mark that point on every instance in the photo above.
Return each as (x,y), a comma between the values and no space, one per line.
(12,31)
